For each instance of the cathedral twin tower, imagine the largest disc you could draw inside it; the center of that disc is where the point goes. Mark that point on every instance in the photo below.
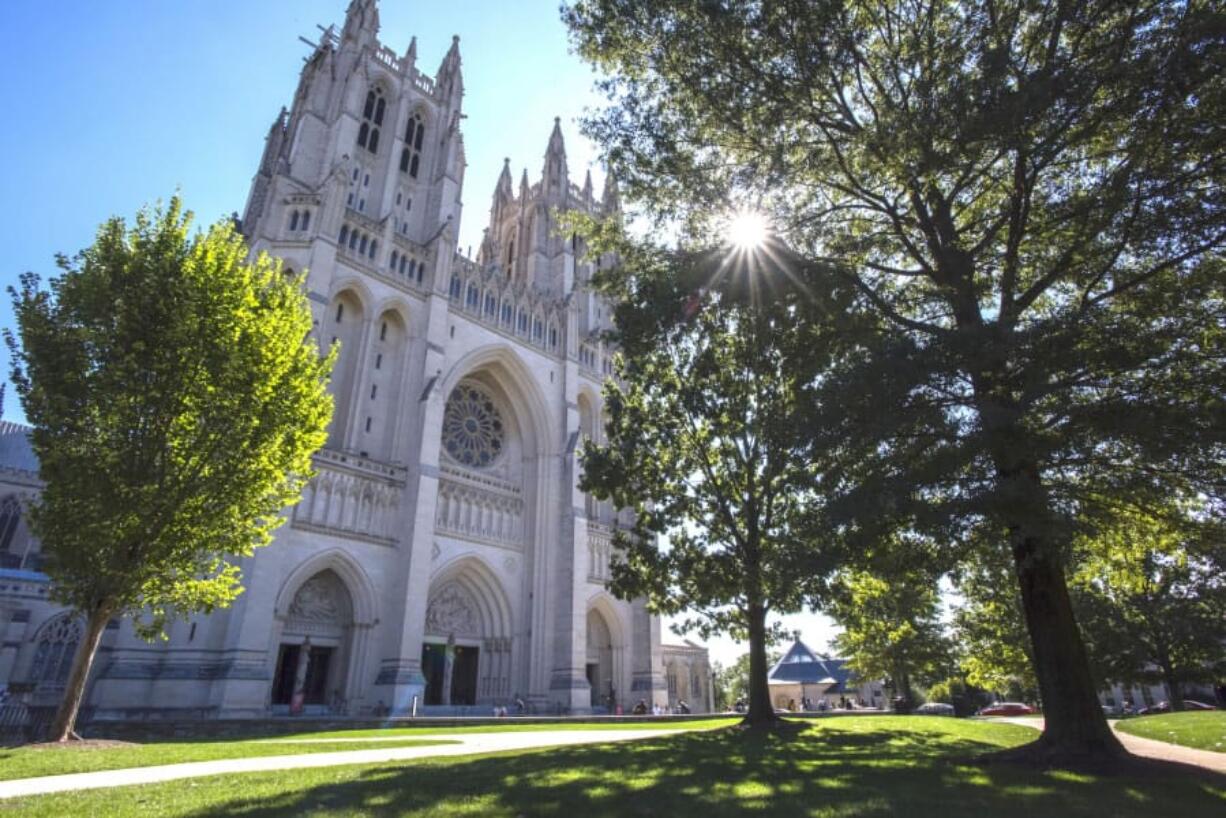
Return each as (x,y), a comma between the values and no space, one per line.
(443,554)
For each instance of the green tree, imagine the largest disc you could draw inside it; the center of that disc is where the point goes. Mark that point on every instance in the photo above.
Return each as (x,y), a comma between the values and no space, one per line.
(1150,592)
(891,627)
(176,398)
(1027,198)
(990,630)
(735,677)
(704,447)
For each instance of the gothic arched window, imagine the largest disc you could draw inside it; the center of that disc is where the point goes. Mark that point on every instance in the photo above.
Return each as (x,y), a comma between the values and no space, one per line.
(410,156)
(57,645)
(293,221)
(372,120)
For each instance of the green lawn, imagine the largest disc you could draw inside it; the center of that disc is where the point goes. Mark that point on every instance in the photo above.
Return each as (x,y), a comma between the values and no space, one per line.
(1204,730)
(30,762)
(510,726)
(25,762)
(835,768)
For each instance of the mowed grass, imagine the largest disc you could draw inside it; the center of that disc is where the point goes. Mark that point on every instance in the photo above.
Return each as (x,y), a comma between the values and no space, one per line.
(510,726)
(835,768)
(1204,730)
(40,760)
(31,762)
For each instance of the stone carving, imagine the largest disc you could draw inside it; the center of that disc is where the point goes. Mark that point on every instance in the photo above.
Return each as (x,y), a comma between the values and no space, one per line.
(472,427)
(450,611)
(316,601)
(478,513)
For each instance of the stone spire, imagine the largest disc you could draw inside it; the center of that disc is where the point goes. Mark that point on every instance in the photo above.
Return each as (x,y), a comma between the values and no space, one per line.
(523,188)
(554,175)
(503,189)
(587,186)
(361,22)
(410,55)
(449,77)
(611,199)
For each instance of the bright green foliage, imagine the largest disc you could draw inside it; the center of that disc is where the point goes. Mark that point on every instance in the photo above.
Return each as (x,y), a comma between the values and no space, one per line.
(1150,592)
(990,632)
(1024,205)
(735,677)
(891,627)
(965,698)
(704,447)
(176,396)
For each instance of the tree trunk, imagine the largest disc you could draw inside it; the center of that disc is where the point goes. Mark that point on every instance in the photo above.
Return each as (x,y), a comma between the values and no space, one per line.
(1076,729)
(1174,688)
(66,717)
(761,710)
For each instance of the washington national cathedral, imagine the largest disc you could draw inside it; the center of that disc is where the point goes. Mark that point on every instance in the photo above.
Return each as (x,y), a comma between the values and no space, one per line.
(443,552)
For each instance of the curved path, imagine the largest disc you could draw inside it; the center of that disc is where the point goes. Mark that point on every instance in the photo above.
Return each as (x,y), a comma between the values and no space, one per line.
(1149,748)
(466,744)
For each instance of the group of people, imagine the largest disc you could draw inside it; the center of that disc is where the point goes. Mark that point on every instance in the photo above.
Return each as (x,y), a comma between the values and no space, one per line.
(657,709)
(501,711)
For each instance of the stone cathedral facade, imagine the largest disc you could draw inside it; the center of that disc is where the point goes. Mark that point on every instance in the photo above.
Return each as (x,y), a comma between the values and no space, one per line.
(444,551)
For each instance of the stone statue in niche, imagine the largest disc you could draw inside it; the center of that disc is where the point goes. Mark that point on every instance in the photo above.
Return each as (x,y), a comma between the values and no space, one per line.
(448,668)
(316,601)
(451,612)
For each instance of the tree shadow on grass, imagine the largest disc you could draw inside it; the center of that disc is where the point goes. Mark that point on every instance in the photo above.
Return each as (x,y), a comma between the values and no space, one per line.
(821,772)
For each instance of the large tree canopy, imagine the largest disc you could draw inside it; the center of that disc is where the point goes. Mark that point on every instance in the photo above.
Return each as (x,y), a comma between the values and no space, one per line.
(177,396)
(1028,200)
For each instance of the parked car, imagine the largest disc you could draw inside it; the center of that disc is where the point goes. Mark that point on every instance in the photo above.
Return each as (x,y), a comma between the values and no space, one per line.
(934,709)
(1165,707)
(1007,709)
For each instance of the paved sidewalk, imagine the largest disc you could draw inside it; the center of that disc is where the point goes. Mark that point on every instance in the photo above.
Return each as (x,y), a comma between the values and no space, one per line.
(1149,748)
(468,744)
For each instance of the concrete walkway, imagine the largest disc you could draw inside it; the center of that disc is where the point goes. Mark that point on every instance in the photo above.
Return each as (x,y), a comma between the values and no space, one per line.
(1149,748)
(467,744)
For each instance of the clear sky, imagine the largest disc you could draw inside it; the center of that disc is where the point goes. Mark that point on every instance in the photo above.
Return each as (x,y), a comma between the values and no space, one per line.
(111,105)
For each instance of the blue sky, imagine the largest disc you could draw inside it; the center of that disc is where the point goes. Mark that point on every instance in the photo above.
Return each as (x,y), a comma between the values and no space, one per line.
(115,104)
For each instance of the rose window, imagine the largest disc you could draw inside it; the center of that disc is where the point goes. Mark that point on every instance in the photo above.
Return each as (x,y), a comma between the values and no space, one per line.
(472,427)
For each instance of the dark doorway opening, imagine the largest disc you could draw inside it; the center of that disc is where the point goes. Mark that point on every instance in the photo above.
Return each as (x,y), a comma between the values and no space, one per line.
(591,682)
(463,673)
(316,687)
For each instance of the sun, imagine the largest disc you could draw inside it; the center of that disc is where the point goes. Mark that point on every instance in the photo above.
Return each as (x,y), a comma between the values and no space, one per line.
(747,230)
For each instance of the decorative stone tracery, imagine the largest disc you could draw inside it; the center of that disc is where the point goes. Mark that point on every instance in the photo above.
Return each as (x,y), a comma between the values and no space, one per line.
(473,431)
(451,611)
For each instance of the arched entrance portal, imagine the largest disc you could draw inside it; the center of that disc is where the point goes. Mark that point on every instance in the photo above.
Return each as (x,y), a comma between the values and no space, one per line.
(315,644)
(600,661)
(466,656)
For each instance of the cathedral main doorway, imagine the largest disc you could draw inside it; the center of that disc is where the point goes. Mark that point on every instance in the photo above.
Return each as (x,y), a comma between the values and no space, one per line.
(463,673)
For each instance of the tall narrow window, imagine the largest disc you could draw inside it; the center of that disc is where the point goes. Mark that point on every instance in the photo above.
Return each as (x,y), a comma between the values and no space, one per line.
(374,390)
(306,219)
(410,155)
(374,249)
(372,120)
(10,515)
(383,332)
(293,221)
(344,234)
(379,361)
(395,258)
(340,312)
